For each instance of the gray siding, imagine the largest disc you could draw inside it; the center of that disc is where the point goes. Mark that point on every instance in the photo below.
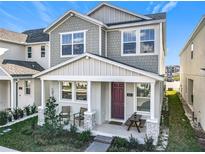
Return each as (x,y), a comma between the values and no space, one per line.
(147,62)
(74,24)
(111,15)
(103,43)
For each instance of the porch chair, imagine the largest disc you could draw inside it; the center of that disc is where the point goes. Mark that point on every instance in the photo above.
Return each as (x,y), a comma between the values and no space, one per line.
(80,115)
(65,113)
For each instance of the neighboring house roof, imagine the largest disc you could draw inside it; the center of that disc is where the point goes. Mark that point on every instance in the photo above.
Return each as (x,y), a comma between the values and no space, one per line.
(194,33)
(123,10)
(21,68)
(157,16)
(36,35)
(131,68)
(70,14)
(14,37)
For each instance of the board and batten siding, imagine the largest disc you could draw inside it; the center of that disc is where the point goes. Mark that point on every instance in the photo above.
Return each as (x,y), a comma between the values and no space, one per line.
(145,62)
(91,67)
(73,24)
(111,15)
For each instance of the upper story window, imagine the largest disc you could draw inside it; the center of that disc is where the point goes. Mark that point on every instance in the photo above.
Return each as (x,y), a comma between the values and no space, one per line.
(43,51)
(29,52)
(28,87)
(192,50)
(72,43)
(147,41)
(129,42)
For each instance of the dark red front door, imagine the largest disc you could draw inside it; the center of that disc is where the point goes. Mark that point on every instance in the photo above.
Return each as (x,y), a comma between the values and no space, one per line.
(117,107)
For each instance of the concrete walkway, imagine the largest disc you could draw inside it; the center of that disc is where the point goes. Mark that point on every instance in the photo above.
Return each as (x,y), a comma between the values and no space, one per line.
(100,144)
(4,149)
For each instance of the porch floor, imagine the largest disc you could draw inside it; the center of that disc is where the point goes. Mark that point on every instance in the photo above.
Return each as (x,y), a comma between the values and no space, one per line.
(107,129)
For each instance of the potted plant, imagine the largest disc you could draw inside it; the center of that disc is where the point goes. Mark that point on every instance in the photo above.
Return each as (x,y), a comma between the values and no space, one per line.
(20,113)
(15,114)
(27,110)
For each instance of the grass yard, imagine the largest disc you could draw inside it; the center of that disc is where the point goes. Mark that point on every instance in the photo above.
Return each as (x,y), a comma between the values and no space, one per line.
(20,141)
(181,134)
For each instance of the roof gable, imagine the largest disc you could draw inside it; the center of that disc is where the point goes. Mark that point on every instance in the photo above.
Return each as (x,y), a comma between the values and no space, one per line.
(93,65)
(111,14)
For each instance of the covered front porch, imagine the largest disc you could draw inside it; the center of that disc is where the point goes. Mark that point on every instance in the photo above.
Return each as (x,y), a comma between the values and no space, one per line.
(111,92)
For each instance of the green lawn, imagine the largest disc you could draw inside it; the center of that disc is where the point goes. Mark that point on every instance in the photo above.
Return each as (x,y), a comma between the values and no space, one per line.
(15,139)
(181,134)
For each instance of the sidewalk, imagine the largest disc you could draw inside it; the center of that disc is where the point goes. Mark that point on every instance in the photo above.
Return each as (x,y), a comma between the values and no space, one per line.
(4,149)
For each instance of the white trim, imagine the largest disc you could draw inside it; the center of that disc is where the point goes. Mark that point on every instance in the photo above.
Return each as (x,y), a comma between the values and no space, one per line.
(5,40)
(100,40)
(49,54)
(89,94)
(42,94)
(106,44)
(72,44)
(152,101)
(115,7)
(35,43)
(87,18)
(110,28)
(12,94)
(149,74)
(192,35)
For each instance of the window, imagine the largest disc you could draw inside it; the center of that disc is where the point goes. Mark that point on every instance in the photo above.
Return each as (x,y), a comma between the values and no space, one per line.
(72,43)
(129,42)
(143,92)
(43,53)
(29,51)
(28,87)
(147,41)
(81,91)
(66,90)
(192,50)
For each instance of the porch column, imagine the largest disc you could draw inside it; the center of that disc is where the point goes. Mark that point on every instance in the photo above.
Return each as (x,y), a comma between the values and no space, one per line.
(41,117)
(152,101)
(12,94)
(152,124)
(89,119)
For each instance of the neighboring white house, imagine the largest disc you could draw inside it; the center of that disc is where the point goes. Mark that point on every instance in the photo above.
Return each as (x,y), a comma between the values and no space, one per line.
(110,61)
(192,74)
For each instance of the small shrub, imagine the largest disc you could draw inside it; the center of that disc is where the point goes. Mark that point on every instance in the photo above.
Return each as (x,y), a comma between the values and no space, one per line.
(20,113)
(73,130)
(3,117)
(133,143)
(33,109)
(85,136)
(149,146)
(15,114)
(27,110)
(120,142)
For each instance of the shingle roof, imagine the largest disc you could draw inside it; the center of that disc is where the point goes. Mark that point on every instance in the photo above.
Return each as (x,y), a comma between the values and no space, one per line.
(10,36)
(21,68)
(36,35)
(157,16)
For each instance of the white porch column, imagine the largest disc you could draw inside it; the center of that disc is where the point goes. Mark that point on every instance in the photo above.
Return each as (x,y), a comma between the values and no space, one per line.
(41,117)
(89,91)
(12,94)
(152,124)
(152,101)
(89,119)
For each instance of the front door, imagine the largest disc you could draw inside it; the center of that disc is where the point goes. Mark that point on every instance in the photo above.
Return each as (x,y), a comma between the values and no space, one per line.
(117,101)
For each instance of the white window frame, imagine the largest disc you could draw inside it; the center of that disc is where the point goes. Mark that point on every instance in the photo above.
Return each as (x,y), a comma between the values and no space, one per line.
(29,52)
(73,100)
(154,40)
(135,100)
(122,43)
(29,81)
(138,40)
(72,33)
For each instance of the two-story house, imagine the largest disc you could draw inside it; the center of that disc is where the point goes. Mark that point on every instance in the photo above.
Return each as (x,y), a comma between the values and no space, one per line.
(192,73)
(110,61)
(21,56)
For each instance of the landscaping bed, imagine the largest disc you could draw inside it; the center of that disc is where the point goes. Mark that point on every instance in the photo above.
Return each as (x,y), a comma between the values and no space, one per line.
(181,135)
(27,136)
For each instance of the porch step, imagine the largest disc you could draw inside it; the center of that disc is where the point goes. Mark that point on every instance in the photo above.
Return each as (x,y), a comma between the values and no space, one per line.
(103,139)
(100,144)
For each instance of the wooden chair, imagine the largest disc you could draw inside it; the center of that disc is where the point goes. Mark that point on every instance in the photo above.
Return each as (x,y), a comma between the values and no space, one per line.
(65,113)
(80,115)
